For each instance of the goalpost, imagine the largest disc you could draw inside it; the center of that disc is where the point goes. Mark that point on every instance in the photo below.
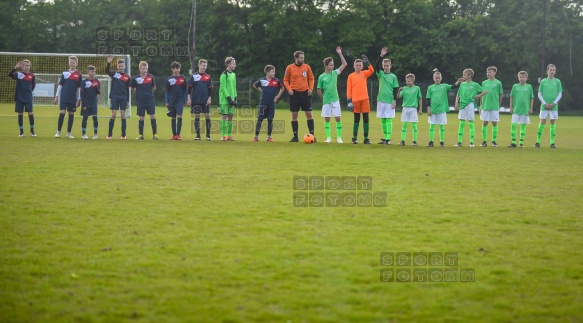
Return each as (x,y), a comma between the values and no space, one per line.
(47,68)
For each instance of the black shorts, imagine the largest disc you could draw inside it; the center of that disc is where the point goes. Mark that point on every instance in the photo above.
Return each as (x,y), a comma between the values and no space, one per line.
(197,108)
(300,100)
(143,108)
(89,111)
(20,107)
(70,107)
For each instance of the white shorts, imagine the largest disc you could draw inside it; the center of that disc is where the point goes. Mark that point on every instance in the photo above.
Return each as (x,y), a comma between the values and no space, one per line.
(440,118)
(409,115)
(490,115)
(467,113)
(553,115)
(520,119)
(385,110)
(331,109)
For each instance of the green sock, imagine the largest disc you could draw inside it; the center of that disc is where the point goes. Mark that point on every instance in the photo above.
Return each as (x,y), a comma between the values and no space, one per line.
(404,130)
(539,134)
(224,128)
(415,130)
(553,133)
(384,126)
(389,128)
(513,132)
(441,133)
(522,133)
(327,128)
(229,127)
(366,127)
(339,129)
(494,133)
(431,132)
(355,129)
(460,133)
(472,131)
(484,133)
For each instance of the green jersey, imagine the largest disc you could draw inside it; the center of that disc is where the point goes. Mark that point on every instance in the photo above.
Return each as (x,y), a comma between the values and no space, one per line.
(411,96)
(467,92)
(327,83)
(550,90)
(521,96)
(491,101)
(227,87)
(438,95)
(387,83)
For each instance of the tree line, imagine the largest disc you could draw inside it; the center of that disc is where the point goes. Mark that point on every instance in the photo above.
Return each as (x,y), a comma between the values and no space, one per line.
(421,35)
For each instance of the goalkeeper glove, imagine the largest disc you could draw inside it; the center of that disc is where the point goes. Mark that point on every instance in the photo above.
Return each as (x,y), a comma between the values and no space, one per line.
(231,102)
(365,59)
(350,105)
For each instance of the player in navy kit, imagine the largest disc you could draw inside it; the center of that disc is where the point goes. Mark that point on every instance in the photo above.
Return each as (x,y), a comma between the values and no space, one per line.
(119,95)
(90,88)
(68,95)
(200,88)
(144,86)
(25,84)
(176,98)
(271,90)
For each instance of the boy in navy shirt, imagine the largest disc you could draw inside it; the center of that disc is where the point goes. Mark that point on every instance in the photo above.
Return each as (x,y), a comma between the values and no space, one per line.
(25,84)
(271,89)
(176,99)
(119,95)
(68,95)
(144,86)
(90,88)
(200,88)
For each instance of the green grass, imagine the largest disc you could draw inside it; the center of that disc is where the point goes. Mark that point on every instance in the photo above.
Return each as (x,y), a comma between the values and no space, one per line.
(173,231)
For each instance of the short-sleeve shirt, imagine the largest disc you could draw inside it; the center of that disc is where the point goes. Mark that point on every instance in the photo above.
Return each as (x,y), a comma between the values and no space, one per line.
(387,83)
(491,101)
(550,90)
(176,90)
(89,91)
(200,84)
(521,96)
(328,84)
(120,84)
(70,82)
(467,92)
(438,95)
(269,89)
(411,96)
(25,84)
(143,86)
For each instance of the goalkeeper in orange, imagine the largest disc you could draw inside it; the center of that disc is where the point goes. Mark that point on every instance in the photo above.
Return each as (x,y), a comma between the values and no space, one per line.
(357,97)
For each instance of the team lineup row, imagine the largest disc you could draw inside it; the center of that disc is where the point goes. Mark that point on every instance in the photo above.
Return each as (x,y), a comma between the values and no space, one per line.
(73,91)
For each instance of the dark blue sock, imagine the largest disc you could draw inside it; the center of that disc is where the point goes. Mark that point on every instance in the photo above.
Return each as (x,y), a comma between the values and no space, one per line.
(95,124)
(154,126)
(21,123)
(70,123)
(84,124)
(31,120)
(178,126)
(61,120)
(123,127)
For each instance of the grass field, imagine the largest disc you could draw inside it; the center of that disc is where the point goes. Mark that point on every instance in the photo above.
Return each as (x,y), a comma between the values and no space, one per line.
(169,231)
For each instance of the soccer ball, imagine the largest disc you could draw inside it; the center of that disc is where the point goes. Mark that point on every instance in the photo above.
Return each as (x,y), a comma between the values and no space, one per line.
(309,139)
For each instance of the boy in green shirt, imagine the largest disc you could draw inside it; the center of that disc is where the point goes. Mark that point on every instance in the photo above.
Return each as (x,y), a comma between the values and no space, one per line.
(412,106)
(328,92)
(490,110)
(465,103)
(437,106)
(550,91)
(386,103)
(521,103)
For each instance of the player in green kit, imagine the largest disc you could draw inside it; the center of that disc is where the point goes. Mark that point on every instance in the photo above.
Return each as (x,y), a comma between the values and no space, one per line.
(386,103)
(521,103)
(228,99)
(490,110)
(465,103)
(412,106)
(437,106)
(550,91)
(328,92)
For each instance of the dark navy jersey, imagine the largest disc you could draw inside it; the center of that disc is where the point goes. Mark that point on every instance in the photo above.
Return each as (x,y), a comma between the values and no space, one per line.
(120,84)
(25,84)
(143,86)
(176,87)
(70,82)
(269,89)
(200,88)
(89,91)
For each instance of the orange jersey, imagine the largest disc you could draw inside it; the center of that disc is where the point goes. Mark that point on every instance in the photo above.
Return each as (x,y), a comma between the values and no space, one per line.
(298,78)
(356,84)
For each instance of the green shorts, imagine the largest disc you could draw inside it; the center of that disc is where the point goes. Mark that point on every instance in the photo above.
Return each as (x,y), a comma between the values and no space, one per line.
(226,109)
